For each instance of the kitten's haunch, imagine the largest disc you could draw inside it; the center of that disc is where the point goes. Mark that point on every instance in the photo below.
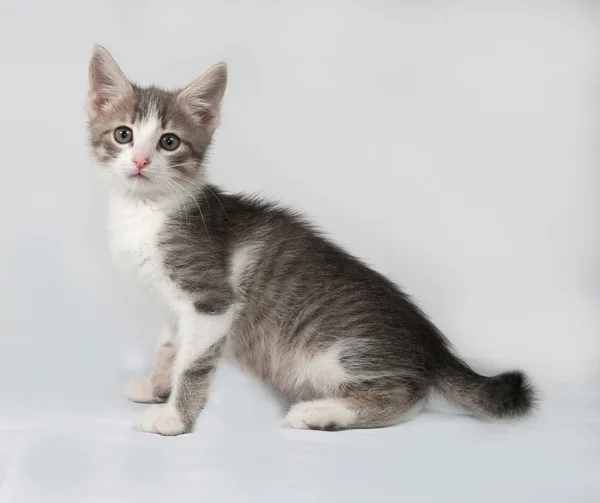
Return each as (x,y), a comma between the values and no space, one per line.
(342,345)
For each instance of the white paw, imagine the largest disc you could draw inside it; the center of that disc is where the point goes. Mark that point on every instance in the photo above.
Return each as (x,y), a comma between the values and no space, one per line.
(161,419)
(320,415)
(139,390)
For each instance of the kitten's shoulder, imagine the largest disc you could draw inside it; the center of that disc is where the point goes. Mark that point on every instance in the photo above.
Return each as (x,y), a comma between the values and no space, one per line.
(254,209)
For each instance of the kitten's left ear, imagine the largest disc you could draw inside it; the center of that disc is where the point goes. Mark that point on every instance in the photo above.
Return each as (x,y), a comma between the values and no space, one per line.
(203,97)
(107,83)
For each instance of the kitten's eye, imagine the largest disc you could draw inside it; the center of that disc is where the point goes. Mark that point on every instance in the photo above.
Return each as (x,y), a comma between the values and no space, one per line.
(123,134)
(169,141)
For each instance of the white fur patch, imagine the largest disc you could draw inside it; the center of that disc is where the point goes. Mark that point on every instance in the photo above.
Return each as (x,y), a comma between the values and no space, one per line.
(197,333)
(133,226)
(322,371)
(320,415)
(241,259)
(161,419)
(146,134)
(139,390)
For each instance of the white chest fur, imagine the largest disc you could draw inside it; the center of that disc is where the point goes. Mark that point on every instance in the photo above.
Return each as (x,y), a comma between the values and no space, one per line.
(133,229)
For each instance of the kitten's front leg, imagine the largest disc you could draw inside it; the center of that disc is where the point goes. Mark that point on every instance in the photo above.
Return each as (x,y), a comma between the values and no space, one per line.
(157,387)
(201,337)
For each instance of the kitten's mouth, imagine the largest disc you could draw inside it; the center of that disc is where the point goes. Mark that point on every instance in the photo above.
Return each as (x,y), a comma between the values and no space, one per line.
(139,176)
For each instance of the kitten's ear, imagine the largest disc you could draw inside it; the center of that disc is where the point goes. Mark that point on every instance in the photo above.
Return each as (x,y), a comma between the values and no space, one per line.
(106,82)
(203,97)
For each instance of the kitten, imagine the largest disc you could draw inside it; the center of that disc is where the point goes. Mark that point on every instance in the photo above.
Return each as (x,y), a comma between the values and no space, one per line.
(343,346)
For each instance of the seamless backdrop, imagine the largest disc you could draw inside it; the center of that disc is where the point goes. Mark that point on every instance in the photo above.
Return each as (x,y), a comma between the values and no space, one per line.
(451,145)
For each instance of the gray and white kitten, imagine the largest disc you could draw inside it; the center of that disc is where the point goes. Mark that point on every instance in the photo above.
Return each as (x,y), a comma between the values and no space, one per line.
(342,345)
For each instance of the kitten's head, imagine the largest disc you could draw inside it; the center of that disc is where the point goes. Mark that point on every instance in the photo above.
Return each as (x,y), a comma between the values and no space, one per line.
(148,141)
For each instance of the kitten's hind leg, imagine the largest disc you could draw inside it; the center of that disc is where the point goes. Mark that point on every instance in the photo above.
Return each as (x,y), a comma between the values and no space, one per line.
(157,387)
(361,408)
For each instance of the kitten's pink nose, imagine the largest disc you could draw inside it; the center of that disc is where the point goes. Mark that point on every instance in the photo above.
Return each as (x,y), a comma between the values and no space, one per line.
(141,161)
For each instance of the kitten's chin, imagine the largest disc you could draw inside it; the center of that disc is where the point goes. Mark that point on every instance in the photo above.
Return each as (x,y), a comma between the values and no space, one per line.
(143,186)
(140,181)
(136,186)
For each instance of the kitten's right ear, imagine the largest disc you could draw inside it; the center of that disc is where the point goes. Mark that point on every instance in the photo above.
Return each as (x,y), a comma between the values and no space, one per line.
(107,83)
(203,96)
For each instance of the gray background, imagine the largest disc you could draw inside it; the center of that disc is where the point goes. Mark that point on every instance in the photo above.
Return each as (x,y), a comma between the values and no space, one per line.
(451,145)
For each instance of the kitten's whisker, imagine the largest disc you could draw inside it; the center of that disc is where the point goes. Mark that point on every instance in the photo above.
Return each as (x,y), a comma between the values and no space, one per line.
(195,201)
(220,203)
(184,165)
(207,203)
(181,204)
(197,184)
(161,184)
(183,199)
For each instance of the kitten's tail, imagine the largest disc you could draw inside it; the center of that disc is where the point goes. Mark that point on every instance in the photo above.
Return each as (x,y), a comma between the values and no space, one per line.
(506,395)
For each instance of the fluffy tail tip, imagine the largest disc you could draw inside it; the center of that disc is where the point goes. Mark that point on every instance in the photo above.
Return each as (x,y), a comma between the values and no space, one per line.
(509,395)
